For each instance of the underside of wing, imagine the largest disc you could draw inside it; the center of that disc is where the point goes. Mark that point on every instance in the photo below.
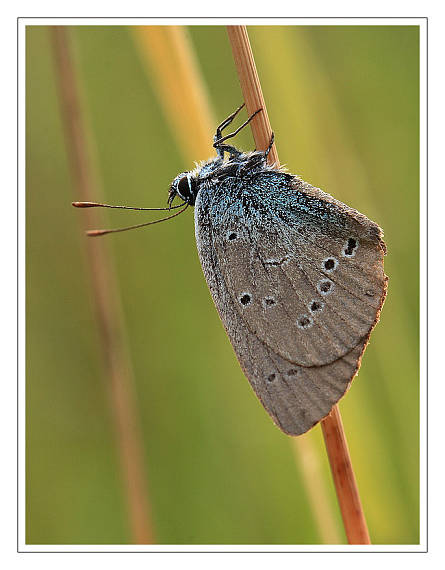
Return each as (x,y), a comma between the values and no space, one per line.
(306,285)
(298,298)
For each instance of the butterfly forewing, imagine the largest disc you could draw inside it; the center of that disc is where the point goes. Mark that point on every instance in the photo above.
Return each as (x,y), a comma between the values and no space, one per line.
(295,396)
(291,282)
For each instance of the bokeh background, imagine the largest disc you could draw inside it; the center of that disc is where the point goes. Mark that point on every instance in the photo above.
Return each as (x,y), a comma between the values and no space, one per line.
(344,104)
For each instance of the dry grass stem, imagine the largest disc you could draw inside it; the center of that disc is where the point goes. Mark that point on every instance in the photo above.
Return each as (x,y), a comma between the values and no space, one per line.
(335,439)
(105,296)
(344,479)
(251,88)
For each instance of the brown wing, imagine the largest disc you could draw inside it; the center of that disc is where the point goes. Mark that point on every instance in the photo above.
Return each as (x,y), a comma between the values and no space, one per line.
(310,290)
(298,344)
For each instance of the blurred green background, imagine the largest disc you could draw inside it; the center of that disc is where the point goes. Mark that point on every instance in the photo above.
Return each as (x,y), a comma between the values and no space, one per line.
(344,104)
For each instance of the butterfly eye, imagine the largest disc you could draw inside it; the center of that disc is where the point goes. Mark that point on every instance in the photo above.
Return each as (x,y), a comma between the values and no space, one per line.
(184,188)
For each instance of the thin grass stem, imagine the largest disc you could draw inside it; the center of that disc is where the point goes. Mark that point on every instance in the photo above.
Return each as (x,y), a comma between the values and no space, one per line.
(251,88)
(118,368)
(344,479)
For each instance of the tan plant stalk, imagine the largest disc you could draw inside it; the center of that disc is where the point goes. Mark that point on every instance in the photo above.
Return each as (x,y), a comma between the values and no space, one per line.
(338,453)
(118,368)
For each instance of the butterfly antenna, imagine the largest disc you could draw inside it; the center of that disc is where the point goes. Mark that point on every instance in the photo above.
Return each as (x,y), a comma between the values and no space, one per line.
(99,205)
(94,233)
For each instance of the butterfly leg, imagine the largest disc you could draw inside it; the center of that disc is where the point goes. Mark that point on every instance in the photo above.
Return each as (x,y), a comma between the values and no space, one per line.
(218,135)
(226,123)
(266,152)
(218,139)
(233,152)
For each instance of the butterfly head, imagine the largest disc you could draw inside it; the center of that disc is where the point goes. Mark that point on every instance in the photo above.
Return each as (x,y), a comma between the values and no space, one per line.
(185,185)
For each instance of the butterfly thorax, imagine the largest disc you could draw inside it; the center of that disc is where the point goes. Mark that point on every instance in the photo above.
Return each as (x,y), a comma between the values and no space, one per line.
(240,166)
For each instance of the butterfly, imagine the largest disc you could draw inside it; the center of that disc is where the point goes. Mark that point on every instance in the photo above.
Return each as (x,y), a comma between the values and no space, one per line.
(297,277)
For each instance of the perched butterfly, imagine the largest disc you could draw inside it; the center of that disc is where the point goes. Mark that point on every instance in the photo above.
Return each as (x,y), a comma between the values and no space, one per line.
(297,277)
